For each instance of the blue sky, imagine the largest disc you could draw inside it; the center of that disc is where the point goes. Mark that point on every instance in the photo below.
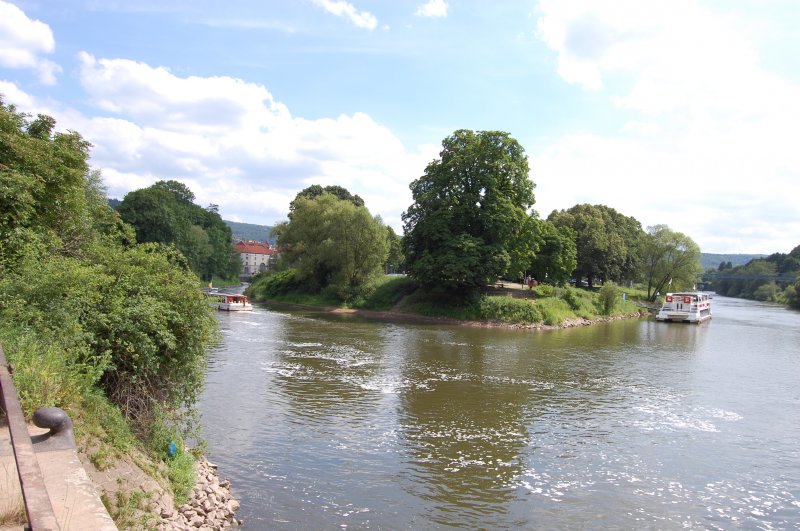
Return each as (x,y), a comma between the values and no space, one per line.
(682,113)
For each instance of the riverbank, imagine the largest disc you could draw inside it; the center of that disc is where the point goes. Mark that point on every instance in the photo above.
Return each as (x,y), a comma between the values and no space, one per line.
(502,304)
(406,317)
(137,500)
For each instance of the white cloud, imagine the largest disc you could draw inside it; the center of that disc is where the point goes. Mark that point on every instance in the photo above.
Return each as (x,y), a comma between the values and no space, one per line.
(700,119)
(432,8)
(22,40)
(233,144)
(340,8)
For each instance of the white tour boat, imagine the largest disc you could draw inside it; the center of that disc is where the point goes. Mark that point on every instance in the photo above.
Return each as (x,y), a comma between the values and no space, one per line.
(234,303)
(687,307)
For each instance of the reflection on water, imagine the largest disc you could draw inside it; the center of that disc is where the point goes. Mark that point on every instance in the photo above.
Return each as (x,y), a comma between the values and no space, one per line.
(327,421)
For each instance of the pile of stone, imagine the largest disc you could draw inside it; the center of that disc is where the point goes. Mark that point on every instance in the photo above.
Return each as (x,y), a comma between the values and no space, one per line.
(210,505)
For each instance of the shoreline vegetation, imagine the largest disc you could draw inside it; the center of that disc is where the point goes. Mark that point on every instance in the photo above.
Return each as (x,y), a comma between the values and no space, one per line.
(106,323)
(504,304)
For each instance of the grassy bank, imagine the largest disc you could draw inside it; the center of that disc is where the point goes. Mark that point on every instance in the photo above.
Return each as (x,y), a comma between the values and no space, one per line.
(511,304)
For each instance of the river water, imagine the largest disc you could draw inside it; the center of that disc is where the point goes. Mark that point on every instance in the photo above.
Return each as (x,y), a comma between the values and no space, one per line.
(326,422)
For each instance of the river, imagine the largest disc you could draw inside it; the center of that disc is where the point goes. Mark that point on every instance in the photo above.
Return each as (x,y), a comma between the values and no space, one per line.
(326,422)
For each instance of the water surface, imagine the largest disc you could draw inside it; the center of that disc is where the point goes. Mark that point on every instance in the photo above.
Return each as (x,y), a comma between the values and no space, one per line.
(332,421)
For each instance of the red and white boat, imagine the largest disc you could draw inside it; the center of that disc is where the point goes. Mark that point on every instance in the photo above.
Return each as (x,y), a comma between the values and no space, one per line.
(687,307)
(234,303)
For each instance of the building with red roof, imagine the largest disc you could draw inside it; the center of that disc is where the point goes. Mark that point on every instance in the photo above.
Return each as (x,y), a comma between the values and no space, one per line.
(256,256)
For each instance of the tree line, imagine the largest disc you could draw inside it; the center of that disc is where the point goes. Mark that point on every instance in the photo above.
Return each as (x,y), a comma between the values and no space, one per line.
(166,213)
(472,222)
(775,278)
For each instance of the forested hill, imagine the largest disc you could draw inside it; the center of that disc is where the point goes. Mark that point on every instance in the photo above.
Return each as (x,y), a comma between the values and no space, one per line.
(250,231)
(712,260)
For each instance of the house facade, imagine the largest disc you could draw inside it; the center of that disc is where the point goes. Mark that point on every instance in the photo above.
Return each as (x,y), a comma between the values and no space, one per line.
(255,256)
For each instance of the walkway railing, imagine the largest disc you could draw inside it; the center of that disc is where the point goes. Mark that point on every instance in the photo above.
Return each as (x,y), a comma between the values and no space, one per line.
(38,507)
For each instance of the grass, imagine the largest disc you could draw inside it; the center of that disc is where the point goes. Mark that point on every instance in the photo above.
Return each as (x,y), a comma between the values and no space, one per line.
(12,508)
(384,292)
(129,509)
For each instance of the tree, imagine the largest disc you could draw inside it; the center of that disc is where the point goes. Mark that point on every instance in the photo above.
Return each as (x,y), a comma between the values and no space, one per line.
(471,221)
(670,259)
(557,256)
(165,213)
(395,261)
(315,190)
(43,179)
(82,306)
(333,244)
(607,242)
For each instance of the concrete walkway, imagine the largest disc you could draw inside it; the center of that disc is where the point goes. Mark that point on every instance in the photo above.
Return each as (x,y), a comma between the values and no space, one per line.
(72,494)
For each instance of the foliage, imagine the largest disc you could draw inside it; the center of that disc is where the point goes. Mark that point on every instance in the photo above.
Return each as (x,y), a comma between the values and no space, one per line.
(670,259)
(395,260)
(128,509)
(609,297)
(608,243)
(132,320)
(315,190)
(557,256)
(181,471)
(83,308)
(470,221)
(165,213)
(385,292)
(333,244)
(508,309)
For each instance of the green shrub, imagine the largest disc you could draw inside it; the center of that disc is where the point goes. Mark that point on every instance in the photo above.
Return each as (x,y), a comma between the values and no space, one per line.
(509,310)
(544,290)
(554,311)
(609,297)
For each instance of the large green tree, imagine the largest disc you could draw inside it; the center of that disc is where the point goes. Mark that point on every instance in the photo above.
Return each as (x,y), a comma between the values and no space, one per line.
(166,213)
(608,243)
(557,256)
(671,260)
(333,244)
(471,221)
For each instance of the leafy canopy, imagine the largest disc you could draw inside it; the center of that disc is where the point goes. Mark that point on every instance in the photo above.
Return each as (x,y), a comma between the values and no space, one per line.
(166,213)
(471,220)
(607,241)
(333,244)
(82,306)
(671,260)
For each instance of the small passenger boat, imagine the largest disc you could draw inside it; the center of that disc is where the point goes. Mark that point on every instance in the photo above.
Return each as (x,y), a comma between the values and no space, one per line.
(235,303)
(687,307)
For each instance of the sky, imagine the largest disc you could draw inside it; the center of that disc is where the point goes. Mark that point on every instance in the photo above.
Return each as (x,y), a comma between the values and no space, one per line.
(682,113)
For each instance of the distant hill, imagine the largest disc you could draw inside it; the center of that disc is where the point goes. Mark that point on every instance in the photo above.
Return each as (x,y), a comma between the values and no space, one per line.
(249,231)
(712,260)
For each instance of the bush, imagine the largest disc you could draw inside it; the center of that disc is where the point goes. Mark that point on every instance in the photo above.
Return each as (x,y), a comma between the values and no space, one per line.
(132,320)
(509,310)
(555,311)
(608,297)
